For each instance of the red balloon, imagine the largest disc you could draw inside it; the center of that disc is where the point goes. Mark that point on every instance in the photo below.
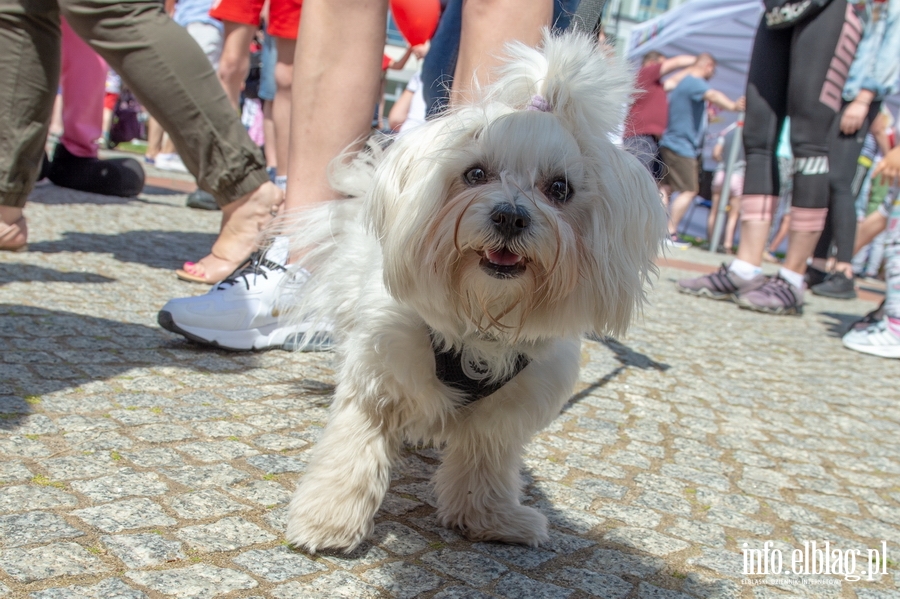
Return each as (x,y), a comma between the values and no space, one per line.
(416,19)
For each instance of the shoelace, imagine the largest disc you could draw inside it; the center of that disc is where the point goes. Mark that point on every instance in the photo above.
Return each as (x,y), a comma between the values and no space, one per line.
(780,288)
(257,265)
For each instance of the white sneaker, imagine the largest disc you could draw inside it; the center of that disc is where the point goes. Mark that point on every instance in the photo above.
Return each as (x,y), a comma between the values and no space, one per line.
(239,313)
(877,339)
(170,162)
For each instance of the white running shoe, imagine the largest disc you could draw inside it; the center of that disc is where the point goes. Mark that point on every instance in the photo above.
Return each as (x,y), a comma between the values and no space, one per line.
(877,339)
(170,162)
(239,313)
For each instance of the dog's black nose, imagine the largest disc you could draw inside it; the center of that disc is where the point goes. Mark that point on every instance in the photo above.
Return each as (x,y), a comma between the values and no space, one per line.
(510,220)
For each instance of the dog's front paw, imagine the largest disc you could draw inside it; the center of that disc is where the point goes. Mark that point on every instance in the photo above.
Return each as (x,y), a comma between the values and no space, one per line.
(516,524)
(318,521)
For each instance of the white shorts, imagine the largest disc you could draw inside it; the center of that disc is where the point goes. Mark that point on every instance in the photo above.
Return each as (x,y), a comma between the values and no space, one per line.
(210,40)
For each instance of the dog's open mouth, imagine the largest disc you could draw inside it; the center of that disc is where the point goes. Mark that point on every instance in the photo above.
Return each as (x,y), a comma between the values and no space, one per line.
(502,263)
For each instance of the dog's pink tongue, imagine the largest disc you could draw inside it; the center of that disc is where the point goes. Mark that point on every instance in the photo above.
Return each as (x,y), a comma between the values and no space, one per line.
(503,257)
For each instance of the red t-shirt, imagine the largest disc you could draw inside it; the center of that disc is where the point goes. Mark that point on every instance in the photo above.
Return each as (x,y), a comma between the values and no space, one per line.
(649,114)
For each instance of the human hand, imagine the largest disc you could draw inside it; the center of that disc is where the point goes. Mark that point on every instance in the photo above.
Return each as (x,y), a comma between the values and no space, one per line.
(420,50)
(741,104)
(889,168)
(717,152)
(852,118)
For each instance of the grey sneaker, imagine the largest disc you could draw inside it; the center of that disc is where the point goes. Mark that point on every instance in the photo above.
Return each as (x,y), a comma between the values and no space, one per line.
(720,285)
(836,285)
(775,296)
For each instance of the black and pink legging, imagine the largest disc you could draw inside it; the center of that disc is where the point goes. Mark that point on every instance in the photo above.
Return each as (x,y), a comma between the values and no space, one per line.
(797,72)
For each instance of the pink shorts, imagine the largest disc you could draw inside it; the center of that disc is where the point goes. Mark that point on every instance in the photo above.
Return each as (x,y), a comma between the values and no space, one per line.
(737,183)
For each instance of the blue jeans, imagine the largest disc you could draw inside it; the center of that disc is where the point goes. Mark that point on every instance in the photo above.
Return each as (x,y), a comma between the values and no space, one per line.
(437,70)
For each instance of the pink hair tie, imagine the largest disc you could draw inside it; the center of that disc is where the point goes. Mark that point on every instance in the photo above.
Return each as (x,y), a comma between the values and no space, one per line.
(538,103)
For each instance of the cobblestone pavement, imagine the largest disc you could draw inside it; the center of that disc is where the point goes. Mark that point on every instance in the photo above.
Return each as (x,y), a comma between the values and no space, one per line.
(134,464)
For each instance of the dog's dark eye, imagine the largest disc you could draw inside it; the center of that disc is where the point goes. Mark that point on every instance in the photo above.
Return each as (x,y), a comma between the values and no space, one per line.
(559,191)
(476,176)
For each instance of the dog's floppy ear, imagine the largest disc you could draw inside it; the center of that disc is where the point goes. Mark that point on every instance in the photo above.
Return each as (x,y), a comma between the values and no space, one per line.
(581,83)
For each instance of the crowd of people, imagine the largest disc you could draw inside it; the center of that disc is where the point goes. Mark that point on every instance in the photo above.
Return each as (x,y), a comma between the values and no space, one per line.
(818,84)
(322,78)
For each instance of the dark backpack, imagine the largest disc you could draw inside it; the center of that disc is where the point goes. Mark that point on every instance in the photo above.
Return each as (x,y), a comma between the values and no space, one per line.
(126,124)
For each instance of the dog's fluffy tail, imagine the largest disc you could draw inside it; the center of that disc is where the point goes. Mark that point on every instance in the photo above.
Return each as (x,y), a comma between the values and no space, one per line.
(582,84)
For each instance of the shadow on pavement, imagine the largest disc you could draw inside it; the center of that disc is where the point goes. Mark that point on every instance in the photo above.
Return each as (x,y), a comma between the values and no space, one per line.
(839,323)
(156,249)
(46,351)
(26,273)
(52,195)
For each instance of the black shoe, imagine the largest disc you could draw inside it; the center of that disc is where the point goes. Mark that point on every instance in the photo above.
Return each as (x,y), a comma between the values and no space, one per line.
(123,177)
(814,276)
(45,168)
(876,315)
(836,285)
(202,201)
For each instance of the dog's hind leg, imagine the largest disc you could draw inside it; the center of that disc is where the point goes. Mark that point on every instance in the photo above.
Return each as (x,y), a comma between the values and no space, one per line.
(478,486)
(345,483)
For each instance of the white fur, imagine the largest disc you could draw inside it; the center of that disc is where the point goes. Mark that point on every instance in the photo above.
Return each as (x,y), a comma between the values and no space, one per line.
(404,254)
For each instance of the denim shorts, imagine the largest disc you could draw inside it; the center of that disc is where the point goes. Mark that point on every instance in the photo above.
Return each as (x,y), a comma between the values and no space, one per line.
(267,69)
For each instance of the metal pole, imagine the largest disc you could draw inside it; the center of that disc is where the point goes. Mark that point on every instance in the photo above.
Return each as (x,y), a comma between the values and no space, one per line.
(726,184)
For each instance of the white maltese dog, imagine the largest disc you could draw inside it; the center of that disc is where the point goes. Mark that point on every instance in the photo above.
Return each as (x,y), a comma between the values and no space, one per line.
(472,255)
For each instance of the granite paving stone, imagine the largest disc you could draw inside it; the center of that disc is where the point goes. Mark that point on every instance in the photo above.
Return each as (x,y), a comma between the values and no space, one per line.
(199,581)
(124,515)
(143,550)
(278,564)
(49,561)
(34,527)
(224,534)
(134,463)
(111,588)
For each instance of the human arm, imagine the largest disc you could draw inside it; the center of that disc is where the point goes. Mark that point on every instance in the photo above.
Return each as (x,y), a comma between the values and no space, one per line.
(889,168)
(719,99)
(856,111)
(400,110)
(676,62)
(401,62)
(672,82)
(169,7)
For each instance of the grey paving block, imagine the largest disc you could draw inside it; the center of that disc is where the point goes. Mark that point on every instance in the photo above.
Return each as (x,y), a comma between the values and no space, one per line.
(124,515)
(21,498)
(336,585)
(206,503)
(163,433)
(201,477)
(402,580)
(199,581)
(472,568)
(398,539)
(111,588)
(514,585)
(49,561)
(34,527)
(125,483)
(277,564)
(224,535)
(79,466)
(143,550)
(262,492)
(593,583)
(217,451)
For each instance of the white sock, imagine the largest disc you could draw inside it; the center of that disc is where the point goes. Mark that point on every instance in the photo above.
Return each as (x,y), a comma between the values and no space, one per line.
(794,278)
(744,270)
(281,181)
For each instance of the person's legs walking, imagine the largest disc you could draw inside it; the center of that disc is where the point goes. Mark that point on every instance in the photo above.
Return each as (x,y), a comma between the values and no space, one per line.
(174,80)
(29,67)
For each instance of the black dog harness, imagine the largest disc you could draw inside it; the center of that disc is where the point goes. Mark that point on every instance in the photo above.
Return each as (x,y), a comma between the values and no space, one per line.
(462,371)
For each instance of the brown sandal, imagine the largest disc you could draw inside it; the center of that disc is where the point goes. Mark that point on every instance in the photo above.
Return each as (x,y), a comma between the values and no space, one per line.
(14,237)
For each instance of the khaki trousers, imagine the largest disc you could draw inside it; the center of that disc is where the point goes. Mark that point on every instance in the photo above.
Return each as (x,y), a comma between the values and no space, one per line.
(156,58)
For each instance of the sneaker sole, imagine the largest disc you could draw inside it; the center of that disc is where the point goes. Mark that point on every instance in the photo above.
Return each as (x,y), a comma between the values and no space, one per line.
(704,292)
(846,295)
(250,339)
(792,311)
(882,351)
